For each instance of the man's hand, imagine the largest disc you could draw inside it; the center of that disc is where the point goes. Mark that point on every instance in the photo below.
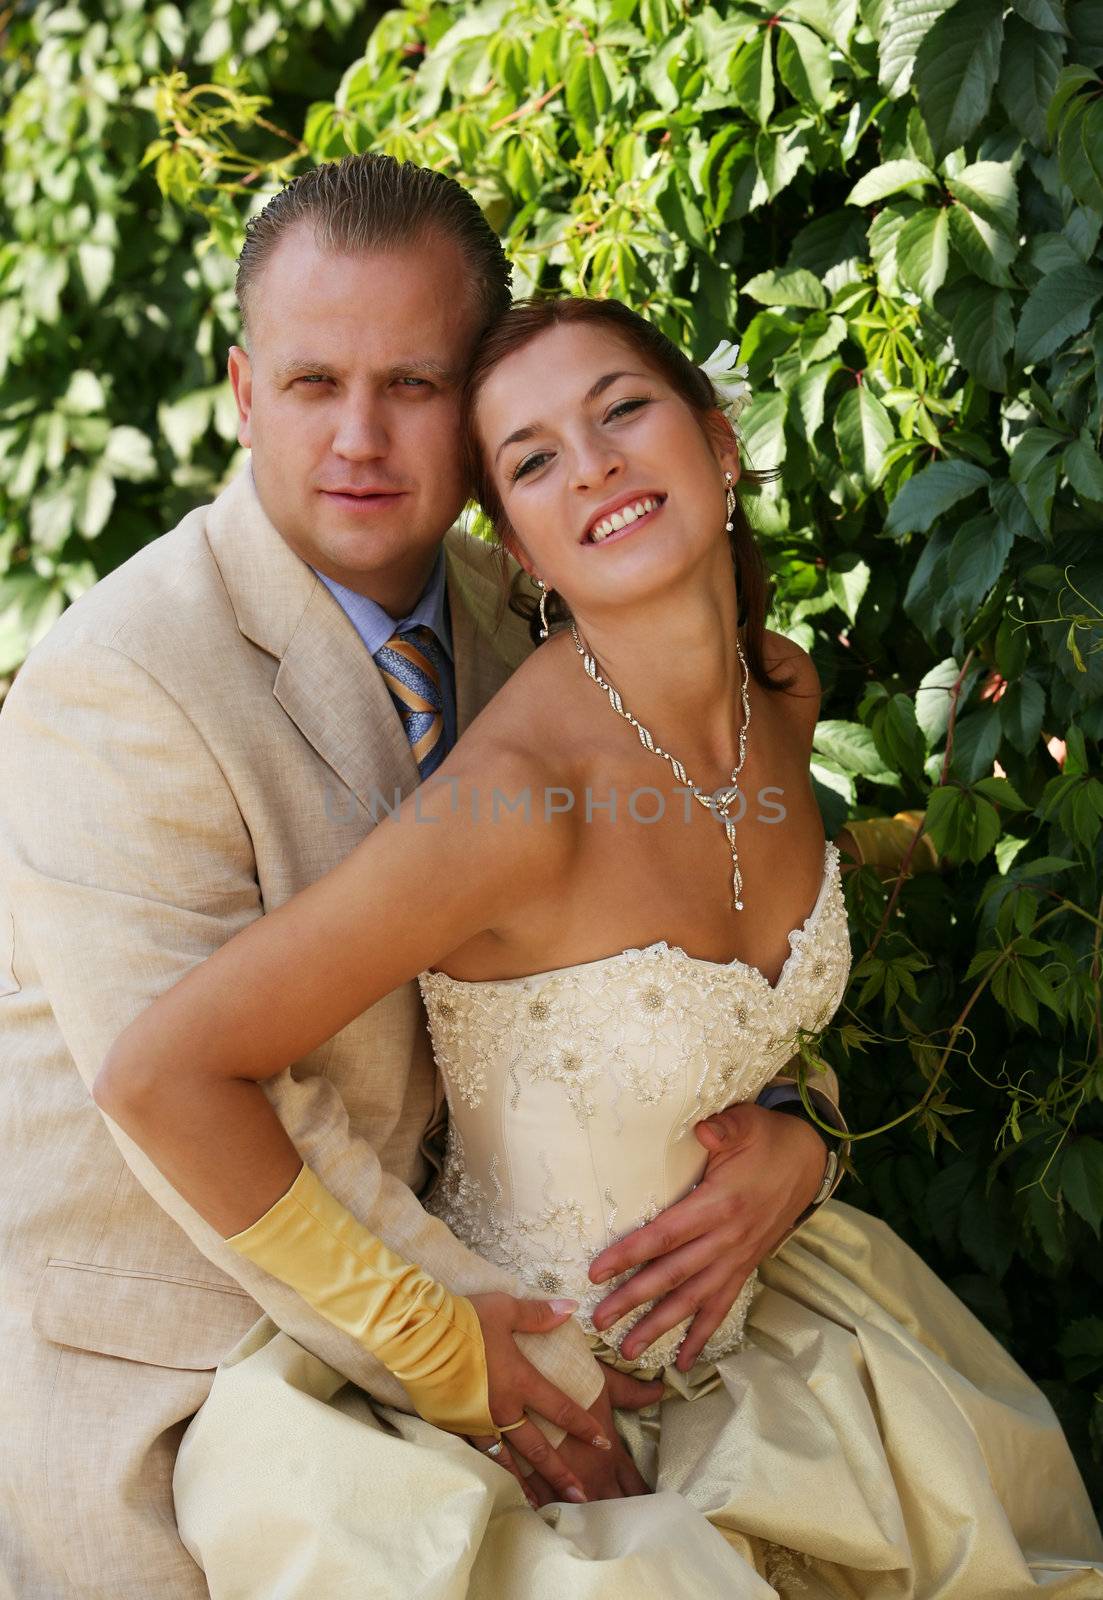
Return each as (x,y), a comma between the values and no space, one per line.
(763,1169)
(603,1474)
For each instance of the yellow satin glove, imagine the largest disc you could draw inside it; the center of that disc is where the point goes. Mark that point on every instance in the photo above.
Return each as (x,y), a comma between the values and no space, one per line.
(430,1339)
(882,842)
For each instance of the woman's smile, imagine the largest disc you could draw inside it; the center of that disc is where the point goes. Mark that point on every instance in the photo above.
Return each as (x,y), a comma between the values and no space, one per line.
(624,519)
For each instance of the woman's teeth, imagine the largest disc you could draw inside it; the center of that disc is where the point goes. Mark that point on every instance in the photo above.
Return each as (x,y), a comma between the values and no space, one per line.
(621,519)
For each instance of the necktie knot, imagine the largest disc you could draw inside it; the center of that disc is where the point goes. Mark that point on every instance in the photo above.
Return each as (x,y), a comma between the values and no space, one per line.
(412,665)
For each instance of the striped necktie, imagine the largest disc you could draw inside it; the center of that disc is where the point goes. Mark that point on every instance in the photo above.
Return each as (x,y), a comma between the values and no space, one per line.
(411,665)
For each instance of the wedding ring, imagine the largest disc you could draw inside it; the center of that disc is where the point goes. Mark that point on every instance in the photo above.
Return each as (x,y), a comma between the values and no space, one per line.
(494,1449)
(508,1427)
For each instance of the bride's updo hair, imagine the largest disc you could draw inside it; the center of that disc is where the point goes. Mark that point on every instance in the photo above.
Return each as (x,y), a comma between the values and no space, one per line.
(514,329)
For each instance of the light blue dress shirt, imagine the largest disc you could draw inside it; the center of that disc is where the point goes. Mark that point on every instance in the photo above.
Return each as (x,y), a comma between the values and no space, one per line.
(375,626)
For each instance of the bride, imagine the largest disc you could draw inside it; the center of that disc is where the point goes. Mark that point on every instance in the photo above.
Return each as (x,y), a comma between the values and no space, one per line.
(620,941)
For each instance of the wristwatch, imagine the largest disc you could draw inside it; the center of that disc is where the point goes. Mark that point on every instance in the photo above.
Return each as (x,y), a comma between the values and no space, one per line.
(828,1183)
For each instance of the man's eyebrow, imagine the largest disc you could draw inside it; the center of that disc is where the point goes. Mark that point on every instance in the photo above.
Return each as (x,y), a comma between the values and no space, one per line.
(400,369)
(592,393)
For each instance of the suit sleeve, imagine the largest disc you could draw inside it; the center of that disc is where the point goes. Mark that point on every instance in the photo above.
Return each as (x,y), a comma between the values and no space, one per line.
(125,861)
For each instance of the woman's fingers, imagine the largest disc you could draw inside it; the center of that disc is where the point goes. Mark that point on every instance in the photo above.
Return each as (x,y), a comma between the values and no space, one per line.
(551,1403)
(531,1443)
(484,1443)
(628,1477)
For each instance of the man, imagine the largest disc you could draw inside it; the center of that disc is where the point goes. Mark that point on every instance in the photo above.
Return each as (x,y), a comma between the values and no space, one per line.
(208,731)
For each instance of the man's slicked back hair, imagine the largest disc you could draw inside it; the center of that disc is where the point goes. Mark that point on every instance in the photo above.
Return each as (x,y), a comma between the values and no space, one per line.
(373,202)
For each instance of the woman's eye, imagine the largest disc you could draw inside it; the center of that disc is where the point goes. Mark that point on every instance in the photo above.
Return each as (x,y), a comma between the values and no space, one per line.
(528,463)
(624,406)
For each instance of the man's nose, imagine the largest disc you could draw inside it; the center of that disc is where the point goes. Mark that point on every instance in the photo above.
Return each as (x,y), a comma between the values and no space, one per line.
(361,433)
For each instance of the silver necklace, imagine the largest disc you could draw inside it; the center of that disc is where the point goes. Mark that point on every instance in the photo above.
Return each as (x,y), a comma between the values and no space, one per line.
(721,802)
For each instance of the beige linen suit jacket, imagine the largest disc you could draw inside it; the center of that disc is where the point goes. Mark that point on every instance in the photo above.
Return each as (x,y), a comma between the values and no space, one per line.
(198,738)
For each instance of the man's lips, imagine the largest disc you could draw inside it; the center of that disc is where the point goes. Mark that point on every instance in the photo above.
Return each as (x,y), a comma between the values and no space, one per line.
(364,499)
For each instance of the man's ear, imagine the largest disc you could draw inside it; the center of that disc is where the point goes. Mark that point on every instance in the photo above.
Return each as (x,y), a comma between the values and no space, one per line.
(241,381)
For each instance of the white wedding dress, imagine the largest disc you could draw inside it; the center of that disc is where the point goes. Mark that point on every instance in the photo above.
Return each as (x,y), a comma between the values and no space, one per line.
(851,1432)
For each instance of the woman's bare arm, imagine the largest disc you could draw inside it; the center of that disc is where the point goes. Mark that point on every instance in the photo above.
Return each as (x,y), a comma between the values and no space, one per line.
(184,1079)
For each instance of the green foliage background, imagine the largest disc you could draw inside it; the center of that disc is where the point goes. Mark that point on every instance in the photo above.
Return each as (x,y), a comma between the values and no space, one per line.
(896,207)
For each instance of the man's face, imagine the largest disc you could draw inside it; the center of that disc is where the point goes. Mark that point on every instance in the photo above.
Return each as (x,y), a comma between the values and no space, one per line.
(348,400)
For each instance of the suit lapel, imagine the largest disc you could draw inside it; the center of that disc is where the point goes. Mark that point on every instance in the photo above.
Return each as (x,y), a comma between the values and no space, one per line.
(484,654)
(326,682)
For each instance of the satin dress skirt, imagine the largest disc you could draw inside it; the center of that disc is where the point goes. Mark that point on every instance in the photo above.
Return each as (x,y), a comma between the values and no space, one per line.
(870,1441)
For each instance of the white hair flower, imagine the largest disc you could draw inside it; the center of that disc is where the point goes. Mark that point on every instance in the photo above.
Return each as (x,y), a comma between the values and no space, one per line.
(729,380)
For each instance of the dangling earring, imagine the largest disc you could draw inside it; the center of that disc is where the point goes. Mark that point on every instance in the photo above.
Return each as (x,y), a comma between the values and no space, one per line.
(543,613)
(729,500)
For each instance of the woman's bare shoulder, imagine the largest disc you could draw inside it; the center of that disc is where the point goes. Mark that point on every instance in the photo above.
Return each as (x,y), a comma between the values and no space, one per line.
(788,660)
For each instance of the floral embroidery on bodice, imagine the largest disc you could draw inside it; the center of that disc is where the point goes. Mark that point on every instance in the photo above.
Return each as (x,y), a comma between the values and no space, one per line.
(573,1095)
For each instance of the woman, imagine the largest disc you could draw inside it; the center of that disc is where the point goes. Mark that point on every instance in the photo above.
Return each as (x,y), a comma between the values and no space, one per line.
(602,965)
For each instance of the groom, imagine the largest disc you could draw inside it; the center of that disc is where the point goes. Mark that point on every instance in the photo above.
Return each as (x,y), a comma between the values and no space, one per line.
(196,740)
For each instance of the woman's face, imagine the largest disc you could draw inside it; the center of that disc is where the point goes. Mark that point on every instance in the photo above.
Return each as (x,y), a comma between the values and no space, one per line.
(576,428)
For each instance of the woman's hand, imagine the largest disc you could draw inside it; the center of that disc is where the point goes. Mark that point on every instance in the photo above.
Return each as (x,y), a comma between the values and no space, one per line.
(763,1169)
(605,1474)
(515,1387)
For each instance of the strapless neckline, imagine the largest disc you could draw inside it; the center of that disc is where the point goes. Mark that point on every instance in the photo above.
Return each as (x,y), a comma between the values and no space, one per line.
(661,948)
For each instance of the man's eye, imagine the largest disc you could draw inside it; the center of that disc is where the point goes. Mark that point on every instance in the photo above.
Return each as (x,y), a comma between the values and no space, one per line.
(528,463)
(421,383)
(312,378)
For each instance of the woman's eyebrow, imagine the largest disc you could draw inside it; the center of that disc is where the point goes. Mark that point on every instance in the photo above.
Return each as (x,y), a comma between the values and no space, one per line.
(592,393)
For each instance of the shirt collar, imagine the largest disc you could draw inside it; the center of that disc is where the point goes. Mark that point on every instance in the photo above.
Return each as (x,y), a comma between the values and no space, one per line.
(375,626)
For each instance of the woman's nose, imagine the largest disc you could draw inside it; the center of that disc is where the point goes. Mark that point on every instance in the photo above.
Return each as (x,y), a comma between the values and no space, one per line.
(595,465)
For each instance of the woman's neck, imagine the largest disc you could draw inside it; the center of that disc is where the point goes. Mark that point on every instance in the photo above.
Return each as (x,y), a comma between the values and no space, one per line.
(675,666)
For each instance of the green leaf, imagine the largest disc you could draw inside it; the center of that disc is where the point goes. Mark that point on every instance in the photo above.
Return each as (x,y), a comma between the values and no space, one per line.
(752,78)
(891,177)
(985,250)
(906,24)
(95,502)
(848,580)
(97,263)
(923,251)
(976,559)
(1081,1347)
(786,286)
(956,68)
(863,432)
(804,64)
(1057,307)
(932,701)
(984,332)
(988,188)
(1001,792)
(976,745)
(1082,1179)
(931,492)
(1084,467)
(1029,65)
(779,157)
(1047,15)
(129,454)
(852,746)
(1021,711)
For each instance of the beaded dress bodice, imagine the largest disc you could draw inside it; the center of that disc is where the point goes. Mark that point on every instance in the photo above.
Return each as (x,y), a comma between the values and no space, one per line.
(573,1096)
